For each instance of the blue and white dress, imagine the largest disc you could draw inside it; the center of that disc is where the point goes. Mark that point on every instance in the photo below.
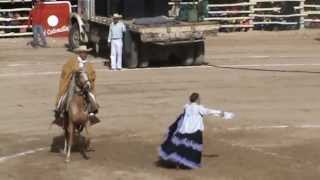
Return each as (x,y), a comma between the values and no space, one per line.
(183,144)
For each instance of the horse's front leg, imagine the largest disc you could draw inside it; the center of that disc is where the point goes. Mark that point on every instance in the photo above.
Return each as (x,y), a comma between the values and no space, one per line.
(88,137)
(66,137)
(70,142)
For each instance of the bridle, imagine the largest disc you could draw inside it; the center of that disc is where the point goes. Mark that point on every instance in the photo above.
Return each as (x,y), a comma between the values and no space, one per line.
(80,87)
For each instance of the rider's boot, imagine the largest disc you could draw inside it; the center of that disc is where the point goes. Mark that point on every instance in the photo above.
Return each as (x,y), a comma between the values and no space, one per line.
(58,117)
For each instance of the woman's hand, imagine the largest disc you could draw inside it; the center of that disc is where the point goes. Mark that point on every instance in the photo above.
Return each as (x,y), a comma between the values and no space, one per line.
(228,115)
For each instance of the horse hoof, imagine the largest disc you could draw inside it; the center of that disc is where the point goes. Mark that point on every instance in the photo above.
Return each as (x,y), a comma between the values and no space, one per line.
(90,150)
(67,160)
(62,152)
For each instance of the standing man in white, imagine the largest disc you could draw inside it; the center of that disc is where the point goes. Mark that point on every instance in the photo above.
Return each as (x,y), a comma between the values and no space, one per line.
(115,39)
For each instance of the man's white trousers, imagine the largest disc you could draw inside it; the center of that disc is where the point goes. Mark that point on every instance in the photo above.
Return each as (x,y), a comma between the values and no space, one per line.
(116,53)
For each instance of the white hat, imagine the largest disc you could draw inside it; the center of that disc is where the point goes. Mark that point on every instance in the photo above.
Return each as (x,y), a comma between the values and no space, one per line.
(116,15)
(82,49)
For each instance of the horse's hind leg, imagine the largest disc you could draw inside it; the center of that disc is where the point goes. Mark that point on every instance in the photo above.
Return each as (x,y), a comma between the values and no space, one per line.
(70,142)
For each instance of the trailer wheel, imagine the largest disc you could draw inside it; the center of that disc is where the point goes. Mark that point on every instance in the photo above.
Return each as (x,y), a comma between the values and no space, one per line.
(74,36)
(131,52)
(199,54)
(96,49)
(188,61)
(144,63)
(188,58)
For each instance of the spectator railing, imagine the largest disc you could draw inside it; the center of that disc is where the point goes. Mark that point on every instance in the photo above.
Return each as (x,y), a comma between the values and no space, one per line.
(231,15)
(14,15)
(274,16)
(312,14)
(254,14)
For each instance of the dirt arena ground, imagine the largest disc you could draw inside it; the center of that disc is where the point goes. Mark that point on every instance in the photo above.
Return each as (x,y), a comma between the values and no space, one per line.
(271,80)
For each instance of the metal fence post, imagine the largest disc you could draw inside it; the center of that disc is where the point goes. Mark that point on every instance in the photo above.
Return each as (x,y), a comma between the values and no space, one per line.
(302,14)
(251,9)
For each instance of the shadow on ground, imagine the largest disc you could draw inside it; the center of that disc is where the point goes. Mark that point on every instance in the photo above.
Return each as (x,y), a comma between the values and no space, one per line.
(57,145)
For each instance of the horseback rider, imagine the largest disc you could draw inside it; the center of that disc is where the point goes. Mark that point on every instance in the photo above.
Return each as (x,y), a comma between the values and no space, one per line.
(73,65)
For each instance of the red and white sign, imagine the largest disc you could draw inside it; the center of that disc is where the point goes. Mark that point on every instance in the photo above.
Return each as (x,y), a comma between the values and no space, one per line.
(55,18)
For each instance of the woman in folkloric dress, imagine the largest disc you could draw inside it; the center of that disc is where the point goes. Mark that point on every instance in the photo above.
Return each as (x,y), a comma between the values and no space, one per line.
(183,145)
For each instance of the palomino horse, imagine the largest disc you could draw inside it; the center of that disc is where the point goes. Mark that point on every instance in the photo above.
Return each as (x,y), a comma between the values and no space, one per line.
(77,113)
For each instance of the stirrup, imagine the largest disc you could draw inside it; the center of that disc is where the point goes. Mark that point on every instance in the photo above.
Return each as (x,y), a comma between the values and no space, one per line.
(56,113)
(93,119)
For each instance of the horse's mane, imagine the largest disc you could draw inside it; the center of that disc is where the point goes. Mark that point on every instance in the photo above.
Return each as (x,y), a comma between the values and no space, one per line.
(71,89)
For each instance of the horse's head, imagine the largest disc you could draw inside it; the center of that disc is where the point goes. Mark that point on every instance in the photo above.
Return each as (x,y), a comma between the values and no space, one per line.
(82,80)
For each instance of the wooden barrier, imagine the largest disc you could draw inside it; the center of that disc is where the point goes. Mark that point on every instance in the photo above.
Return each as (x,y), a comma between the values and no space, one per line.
(15,10)
(311,6)
(230,5)
(275,22)
(237,26)
(279,15)
(253,13)
(312,14)
(260,1)
(277,9)
(14,1)
(14,17)
(227,18)
(14,27)
(276,16)
(235,16)
(12,34)
(230,12)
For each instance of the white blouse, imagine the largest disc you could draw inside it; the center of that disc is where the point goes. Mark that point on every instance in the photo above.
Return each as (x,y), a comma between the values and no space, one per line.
(193,118)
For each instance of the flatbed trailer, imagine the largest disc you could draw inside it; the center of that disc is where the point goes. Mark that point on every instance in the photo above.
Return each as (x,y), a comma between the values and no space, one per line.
(177,40)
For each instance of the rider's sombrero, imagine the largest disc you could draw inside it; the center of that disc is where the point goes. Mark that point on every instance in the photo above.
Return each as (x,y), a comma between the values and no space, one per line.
(82,49)
(117,16)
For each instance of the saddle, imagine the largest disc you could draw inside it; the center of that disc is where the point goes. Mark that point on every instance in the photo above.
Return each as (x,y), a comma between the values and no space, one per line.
(61,111)
(61,121)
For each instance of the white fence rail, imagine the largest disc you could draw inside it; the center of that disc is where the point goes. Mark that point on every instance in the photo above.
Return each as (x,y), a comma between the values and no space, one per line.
(312,14)
(254,14)
(14,18)
(230,5)
(14,1)
(15,10)
(232,15)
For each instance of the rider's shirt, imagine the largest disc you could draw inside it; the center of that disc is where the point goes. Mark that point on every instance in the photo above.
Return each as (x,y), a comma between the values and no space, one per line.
(81,62)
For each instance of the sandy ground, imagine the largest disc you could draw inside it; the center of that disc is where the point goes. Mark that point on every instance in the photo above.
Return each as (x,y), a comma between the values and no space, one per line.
(270,80)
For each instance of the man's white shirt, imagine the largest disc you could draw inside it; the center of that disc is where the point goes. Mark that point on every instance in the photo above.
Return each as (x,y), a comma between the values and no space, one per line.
(116,31)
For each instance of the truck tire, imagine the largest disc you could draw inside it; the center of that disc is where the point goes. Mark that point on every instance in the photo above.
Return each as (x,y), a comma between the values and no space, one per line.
(74,36)
(144,63)
(131,55)
(199,54)
(188,59)
(96,49)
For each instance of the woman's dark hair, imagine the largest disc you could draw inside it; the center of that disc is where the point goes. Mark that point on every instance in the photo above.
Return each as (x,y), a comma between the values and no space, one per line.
(194,97)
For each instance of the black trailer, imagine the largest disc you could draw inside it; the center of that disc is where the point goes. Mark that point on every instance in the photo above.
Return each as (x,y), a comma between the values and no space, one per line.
(151,35)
